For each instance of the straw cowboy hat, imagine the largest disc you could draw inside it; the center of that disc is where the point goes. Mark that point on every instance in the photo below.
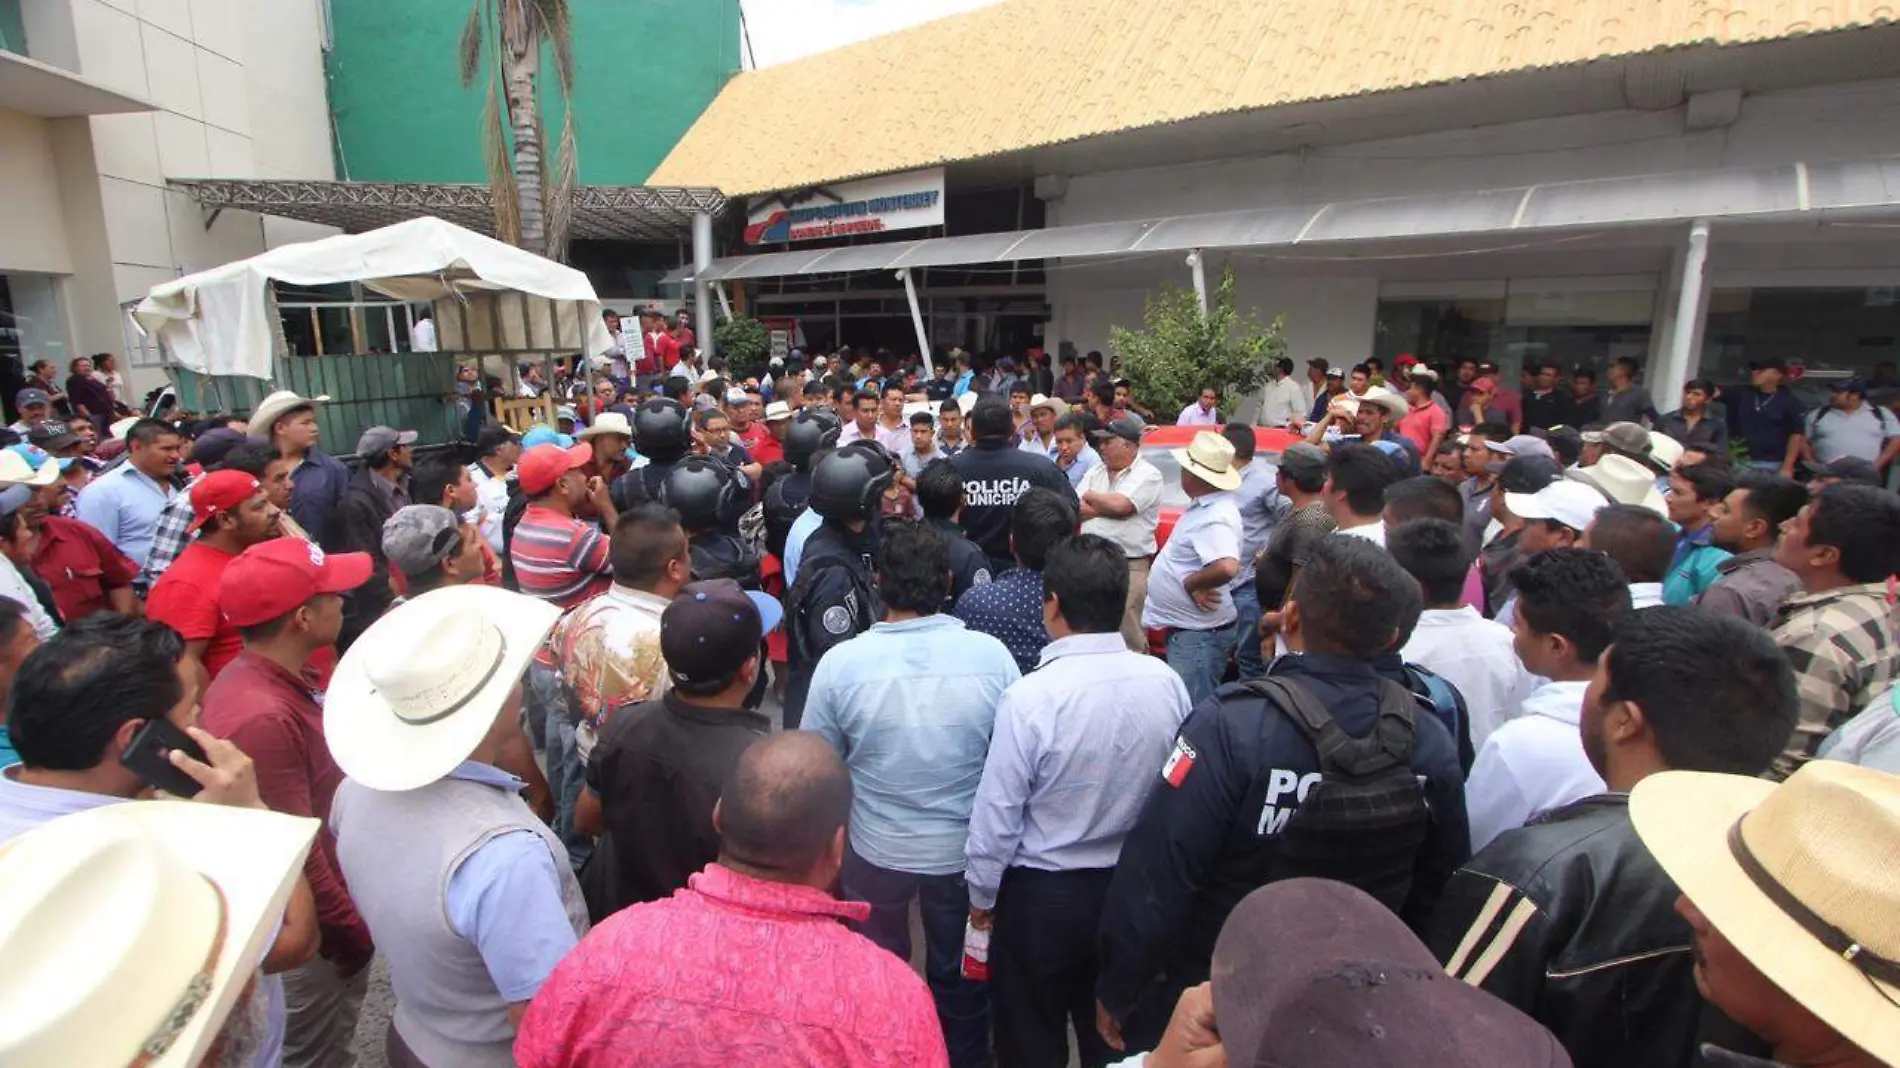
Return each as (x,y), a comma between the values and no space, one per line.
(15,470)
(1802,878)
(607,423)
(273,407)
(419,690)
(1394,403)
(1210,458)
(1054,404)
(131,930)
(1664,451)
(1623,481)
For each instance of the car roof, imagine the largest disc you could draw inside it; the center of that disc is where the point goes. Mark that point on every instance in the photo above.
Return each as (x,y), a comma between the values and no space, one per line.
(1266,438)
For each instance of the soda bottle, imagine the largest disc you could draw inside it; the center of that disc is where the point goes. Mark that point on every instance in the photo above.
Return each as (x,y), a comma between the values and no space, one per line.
(976,953)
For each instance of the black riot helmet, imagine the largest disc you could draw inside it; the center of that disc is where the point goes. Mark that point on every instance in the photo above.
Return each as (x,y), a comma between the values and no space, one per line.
(699,488)
(848,483)
(659,430)
(812,430)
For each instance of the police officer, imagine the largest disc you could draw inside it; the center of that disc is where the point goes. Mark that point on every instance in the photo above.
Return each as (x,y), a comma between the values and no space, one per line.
(814,430)
(662,434)
(701,489)
(1234,793)
(940,495)
(833,599)
(995,473)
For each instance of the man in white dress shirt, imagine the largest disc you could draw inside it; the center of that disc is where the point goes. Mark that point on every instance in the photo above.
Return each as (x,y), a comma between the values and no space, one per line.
(1121,501)
(1072,760)
(1569,602)
(1453,639)
(1284,403)
(1356,478)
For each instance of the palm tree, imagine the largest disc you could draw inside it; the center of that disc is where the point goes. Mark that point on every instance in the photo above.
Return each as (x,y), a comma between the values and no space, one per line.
(533,207)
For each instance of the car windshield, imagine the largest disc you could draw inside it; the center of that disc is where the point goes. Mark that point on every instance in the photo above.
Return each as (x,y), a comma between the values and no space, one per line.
(1162,457)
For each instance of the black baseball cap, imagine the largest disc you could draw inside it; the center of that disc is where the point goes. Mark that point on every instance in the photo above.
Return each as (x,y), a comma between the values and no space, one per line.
(492,437)
(51,436)
(1769,363)
(1855,469)
(1126,428)
(711,629)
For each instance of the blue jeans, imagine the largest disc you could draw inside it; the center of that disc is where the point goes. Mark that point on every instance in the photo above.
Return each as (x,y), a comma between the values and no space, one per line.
(1247,632)
(963,1005)
(1200,658)
(564,772)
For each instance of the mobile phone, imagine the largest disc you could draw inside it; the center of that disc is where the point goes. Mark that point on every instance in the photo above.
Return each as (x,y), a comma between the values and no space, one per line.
(146,757)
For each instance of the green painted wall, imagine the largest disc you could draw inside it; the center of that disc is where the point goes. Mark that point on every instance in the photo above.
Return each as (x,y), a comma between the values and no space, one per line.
(644,70)
(12,27)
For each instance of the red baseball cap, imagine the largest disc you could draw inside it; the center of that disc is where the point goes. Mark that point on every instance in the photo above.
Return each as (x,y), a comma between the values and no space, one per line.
(220,491)
(542,466)
(274,578)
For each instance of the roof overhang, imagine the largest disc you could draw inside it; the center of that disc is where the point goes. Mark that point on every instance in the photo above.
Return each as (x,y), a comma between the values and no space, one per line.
(48,92)
(601,212)
(1796,190)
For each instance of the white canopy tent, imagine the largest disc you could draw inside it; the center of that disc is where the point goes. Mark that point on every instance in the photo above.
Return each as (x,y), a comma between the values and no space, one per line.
(488,297)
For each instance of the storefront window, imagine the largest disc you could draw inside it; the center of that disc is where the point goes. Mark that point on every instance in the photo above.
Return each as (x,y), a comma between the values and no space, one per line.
(32,322)
(1580,327)
(1827,333)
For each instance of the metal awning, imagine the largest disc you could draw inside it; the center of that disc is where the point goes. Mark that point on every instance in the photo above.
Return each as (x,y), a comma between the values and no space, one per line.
(1787,189)
(48,92)
(601,212)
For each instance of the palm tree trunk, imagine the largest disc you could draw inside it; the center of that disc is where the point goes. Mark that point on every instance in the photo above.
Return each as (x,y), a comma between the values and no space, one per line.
(524,122)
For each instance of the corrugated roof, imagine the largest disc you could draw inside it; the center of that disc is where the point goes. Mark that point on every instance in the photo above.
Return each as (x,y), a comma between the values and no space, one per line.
(1026,73)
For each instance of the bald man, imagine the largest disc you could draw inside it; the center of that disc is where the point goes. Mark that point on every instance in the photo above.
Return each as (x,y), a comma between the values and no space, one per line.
(629,993)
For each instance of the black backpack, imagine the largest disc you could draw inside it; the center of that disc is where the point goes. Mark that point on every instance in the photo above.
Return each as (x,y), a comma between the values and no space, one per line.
(1364,822)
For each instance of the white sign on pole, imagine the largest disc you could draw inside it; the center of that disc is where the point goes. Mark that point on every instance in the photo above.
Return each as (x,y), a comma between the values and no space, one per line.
(867,206)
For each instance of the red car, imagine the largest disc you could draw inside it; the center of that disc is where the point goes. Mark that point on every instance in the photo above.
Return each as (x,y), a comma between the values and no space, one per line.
(1157,447)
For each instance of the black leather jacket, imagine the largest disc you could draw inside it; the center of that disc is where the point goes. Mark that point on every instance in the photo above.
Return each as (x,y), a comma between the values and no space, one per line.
(1573,922)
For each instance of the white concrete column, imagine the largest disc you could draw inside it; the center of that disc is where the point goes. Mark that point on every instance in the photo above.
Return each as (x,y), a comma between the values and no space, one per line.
(917,322)
(1197,264)
(1679,358)
(702,293)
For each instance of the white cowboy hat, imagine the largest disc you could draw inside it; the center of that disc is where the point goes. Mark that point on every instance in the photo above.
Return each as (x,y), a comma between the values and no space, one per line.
(607,423)
(418,691)
(1622,480)
(131,930)
(1664,450)
(1801,878)
(1210,458)
(1394,403)
(777,410)
(121,428)
(273,407)
(16,471)
(1054,404)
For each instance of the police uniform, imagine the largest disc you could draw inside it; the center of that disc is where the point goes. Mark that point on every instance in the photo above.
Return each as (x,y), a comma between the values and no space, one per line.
(833,601)
(1207,835)
(994,475)
(969,565)
(642,485)
(717,555)
(784,502)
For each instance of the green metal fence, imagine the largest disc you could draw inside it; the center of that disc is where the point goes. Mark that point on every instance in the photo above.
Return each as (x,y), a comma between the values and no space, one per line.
(405,390)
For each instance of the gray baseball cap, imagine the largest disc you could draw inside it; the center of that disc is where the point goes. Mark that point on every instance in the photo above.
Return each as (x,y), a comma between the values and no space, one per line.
(31,396)
(419,537)
(1303,461)
(378,440)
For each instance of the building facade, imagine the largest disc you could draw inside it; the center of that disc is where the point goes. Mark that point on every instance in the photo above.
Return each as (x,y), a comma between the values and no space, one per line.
(100,102)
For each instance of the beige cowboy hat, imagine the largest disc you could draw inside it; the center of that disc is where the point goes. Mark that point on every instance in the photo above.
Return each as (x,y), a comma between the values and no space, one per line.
(607,423)
(1210,458)
(273,407)
(1802,878)
(1395,403)
(131,930)
(16,471)
(1664,451)
(420,689)
(1054,404)
(1623,481)
(121,428)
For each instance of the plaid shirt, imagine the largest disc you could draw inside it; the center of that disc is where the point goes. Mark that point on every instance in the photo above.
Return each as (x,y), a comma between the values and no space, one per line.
(1845,651)
(169,538)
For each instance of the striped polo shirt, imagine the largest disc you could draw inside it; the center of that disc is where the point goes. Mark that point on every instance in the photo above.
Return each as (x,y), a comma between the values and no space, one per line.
(559,558)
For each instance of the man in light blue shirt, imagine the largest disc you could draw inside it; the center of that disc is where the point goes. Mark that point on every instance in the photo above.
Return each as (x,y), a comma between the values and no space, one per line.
(125,502)
(1261,507)
(1075,752)
(1188,583)
(909,706)
(803,528)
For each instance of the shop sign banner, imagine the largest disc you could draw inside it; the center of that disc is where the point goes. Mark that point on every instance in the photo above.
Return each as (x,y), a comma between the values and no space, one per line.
(868,206)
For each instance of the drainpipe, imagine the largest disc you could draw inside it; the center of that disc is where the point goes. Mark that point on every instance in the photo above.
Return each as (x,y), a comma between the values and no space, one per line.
(702,296)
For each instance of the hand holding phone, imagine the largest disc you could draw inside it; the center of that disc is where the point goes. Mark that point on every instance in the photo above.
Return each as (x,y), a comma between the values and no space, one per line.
(196,765)
(149,757)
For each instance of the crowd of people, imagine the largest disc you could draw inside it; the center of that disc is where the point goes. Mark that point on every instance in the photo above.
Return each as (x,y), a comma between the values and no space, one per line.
(660,735)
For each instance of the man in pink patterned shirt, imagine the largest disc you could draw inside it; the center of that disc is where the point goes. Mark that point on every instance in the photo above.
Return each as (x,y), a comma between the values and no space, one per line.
(752,963)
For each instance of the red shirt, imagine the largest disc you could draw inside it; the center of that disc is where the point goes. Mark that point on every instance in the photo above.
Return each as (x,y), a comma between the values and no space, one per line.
(272,716)
(185,598)
(558,558)
(760,444)
(662,352)
(731,970)
(81,565)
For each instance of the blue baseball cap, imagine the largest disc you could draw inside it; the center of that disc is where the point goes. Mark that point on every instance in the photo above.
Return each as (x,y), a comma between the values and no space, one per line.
(37,456)
(546,435)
